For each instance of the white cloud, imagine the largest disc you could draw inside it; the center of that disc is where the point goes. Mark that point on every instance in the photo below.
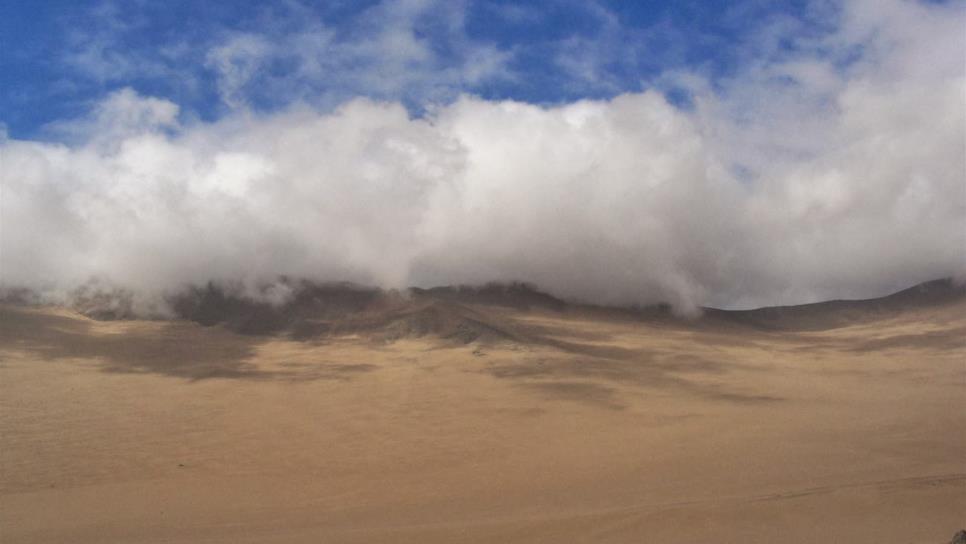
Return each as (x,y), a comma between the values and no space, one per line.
(797,181)
(236,62)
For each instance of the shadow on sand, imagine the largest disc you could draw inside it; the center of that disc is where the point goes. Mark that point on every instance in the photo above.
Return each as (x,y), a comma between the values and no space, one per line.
(170,348)
(597,373)
(600,381)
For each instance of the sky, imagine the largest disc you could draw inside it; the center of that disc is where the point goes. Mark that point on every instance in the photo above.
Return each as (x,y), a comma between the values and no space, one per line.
(211,57)
(732,154)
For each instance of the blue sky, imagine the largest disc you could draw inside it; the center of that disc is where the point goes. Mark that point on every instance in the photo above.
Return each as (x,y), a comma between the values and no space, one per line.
(212,57)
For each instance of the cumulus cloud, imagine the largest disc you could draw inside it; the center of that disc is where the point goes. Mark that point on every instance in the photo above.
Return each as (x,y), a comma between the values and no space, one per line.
(819,174)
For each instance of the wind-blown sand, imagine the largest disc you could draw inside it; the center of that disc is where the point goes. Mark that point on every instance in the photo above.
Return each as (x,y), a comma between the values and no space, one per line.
(518,424)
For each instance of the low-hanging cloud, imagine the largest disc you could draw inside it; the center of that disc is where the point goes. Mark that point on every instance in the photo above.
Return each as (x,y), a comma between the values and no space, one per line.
(800,179)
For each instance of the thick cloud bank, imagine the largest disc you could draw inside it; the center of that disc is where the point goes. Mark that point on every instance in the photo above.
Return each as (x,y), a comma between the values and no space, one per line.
(835,173)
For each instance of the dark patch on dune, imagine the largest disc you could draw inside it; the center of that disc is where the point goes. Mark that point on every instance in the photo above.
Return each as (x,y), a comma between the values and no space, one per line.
(318,311)
(954,339)
(172,348)
(647,371)
(516,295)
(218,305)
(585,392)
(444,320)
(168,351)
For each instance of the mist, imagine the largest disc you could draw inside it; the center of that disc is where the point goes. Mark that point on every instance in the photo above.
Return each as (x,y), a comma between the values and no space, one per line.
(799,179)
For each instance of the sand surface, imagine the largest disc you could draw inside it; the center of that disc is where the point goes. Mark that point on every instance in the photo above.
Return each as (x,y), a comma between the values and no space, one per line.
(623,431)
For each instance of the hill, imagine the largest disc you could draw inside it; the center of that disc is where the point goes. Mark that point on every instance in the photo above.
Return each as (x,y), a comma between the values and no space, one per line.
(486,414)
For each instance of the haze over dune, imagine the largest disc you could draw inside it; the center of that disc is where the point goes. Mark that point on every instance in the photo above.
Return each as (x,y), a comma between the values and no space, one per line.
(829,165)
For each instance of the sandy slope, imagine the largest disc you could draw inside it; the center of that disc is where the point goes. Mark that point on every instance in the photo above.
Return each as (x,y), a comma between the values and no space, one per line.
(606,430)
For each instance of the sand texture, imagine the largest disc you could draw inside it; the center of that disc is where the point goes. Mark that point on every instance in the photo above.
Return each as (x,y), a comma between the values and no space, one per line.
(452,418)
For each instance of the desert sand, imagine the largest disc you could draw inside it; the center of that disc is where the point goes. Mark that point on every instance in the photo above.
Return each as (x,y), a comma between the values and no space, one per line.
(479,421)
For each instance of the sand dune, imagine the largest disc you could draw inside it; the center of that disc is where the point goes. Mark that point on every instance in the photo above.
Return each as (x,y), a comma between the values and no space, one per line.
(496,414)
